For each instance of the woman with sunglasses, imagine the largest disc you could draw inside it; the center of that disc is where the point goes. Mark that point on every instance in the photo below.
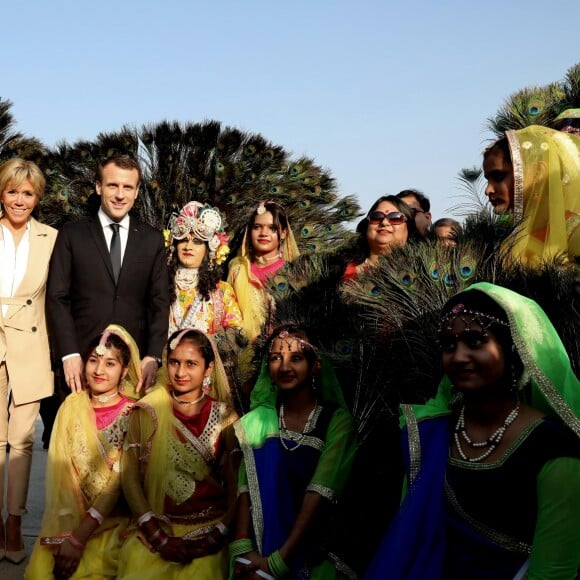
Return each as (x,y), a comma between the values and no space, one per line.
(390,222)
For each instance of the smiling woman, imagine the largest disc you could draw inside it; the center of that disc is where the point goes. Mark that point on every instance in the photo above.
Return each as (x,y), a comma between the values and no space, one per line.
(180,469)
(493,460)
(298,445)
(25,250)
(83,520)
(390,222)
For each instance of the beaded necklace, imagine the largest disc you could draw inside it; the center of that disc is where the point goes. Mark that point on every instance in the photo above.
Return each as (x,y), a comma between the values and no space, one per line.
(297,438)
(491,443)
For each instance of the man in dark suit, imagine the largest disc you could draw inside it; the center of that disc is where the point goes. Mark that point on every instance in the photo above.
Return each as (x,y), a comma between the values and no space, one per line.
(109,268)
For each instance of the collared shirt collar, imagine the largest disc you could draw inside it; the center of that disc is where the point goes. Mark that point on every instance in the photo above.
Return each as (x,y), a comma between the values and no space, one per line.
(106,221)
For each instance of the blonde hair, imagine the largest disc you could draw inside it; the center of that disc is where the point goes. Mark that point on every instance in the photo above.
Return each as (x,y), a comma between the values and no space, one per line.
(17,171)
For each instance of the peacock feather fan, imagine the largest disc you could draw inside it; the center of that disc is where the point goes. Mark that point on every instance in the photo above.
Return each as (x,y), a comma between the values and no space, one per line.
(222,166)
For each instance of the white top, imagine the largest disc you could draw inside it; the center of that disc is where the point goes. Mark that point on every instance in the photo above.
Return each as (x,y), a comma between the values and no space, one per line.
(13,261)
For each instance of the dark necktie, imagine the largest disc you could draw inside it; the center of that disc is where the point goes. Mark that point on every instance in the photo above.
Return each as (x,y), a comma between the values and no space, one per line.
(116,251)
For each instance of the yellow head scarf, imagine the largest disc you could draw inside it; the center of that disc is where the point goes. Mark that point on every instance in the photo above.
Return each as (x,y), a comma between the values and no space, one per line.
(546,166)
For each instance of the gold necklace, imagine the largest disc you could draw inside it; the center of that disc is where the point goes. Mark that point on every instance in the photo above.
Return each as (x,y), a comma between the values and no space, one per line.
(187,403)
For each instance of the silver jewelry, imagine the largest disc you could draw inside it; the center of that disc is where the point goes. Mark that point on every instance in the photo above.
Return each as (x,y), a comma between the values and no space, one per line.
(261,260)
(298,438)
(104,398)
(491,443)
(187,403)
(186,278)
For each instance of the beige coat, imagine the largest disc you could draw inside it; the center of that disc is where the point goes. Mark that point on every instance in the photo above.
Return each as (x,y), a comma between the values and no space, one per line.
(23,334)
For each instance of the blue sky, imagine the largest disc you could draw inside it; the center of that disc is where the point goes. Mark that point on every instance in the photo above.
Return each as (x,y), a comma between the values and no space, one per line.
(385,94)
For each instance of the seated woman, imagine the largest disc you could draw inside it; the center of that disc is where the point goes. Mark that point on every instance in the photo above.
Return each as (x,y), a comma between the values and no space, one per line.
(298,445)
(199,245)
(180,468)
(390,222)
(493,461)
(83,518)
(267,245)
(533,177)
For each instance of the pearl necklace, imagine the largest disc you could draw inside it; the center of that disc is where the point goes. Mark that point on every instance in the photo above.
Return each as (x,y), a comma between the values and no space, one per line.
(187,403)
(298,438)
(261,260)
(104,398)
(491,442)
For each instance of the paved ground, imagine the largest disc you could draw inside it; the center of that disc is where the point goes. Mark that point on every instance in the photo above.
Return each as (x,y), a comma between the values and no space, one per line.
(31,521)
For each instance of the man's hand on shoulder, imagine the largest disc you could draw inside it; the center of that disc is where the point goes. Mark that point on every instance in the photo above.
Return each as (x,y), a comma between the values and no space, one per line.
(149,368)
(73,372)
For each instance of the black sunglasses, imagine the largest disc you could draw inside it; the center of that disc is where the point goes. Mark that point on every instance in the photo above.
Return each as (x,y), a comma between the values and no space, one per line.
(396,218)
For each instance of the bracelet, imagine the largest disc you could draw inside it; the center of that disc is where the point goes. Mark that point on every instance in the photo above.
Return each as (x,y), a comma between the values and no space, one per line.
(222,528)
(144,518)
(277,565)
(96,515)
(162,544)
(241,546)
(158,539)
(75,543)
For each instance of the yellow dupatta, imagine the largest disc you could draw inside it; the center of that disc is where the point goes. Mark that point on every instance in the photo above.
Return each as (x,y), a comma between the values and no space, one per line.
(546,166)
(248,288)
(81,462)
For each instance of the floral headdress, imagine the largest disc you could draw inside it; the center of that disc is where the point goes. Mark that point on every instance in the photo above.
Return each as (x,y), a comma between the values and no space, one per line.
(203,222)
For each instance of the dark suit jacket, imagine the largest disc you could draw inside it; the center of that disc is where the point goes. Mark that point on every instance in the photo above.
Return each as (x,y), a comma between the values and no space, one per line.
(82,298)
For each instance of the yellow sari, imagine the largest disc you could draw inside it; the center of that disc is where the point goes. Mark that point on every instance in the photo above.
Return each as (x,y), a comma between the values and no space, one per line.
(83,471)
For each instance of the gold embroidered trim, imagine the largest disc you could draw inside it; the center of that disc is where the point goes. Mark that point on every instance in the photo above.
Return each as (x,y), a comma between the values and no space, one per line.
(309,441)
(253,487)
(146,452)
(505,541)
(199,532)
(414,442)
(195,442)
(544,385)
(518,168)
(324,491)
(342,567)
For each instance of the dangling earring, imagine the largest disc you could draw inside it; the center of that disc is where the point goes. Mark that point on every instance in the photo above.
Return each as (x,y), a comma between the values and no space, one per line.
(314,385)
(272,386)
(206,385)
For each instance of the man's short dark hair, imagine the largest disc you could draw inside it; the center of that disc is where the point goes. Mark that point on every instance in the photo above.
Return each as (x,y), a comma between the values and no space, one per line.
(121,160)
(418,195)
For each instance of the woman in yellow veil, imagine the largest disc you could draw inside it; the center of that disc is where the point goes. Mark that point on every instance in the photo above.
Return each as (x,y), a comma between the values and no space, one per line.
(534,175)
(83,517)
(180,467)
(267,245)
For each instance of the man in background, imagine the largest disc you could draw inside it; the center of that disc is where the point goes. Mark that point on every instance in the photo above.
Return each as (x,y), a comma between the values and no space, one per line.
(421,207)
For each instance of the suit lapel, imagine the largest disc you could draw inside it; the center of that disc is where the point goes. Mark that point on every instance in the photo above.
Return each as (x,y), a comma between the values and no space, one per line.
(132,247)
(38,258)
(96,230)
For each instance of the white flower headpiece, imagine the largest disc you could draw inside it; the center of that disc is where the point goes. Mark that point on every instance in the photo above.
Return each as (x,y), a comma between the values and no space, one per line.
(205,223)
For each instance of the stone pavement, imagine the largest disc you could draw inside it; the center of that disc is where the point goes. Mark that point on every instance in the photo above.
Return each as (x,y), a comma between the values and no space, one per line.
(31,521)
